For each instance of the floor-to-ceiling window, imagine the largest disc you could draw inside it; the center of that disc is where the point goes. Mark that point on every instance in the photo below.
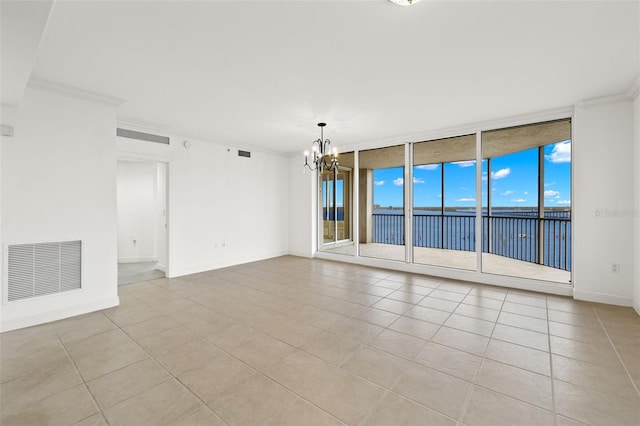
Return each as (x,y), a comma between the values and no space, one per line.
(444,202)
(509,214)
(527,218)
(381,203)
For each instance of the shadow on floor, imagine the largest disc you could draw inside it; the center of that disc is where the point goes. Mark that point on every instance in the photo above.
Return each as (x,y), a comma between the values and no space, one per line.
(129,273)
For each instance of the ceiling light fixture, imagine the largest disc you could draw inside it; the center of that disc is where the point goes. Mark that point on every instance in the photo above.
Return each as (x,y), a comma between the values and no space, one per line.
(321,158)
(404,2)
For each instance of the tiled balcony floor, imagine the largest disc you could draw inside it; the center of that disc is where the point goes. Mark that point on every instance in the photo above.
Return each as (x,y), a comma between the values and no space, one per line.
(458,259)
(302,341)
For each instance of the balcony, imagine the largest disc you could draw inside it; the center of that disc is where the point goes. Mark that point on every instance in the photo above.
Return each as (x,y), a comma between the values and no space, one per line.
(520,246)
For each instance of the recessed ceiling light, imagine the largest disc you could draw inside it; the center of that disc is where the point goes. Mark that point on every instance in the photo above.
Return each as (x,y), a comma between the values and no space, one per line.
(404,2)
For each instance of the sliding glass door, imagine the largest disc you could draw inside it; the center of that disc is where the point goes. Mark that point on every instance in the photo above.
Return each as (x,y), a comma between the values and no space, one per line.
(444,202)
(381,203)
(336,212)
(527,218)
(494,202)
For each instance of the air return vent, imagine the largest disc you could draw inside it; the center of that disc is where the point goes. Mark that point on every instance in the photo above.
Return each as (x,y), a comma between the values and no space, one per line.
(148,137)
(244,154)
(43,268)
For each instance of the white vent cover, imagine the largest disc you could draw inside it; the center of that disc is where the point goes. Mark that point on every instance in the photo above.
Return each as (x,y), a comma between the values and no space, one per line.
(43,268)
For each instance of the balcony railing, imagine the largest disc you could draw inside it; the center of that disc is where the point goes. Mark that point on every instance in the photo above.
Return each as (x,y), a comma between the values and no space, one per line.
(546,241)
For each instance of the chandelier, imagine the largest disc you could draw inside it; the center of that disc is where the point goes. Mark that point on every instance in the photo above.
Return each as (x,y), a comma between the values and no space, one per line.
(404,2)
(321,157)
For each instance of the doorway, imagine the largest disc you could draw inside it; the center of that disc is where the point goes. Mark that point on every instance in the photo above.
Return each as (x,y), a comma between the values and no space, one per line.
(142,220)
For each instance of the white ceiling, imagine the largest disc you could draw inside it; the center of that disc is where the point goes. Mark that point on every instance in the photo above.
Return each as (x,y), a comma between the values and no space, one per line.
(263,73)
(22,25)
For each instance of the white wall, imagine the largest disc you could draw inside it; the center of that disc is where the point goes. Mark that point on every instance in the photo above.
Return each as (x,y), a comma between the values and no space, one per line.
(222,209)
(636,168)
(138,211)
(58,183)
(603,202)
(302,205)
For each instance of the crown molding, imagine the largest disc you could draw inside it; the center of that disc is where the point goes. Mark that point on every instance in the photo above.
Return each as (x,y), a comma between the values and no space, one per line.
(605,100)
(628,95)
(74,92)
(634,88)
(144,126)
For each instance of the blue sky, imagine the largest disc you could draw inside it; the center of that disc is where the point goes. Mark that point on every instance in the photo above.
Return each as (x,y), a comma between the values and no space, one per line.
(339,192)
(514,181)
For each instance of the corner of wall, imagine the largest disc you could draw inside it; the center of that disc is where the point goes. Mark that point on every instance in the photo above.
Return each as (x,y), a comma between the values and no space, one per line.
(58,182)
(636,171)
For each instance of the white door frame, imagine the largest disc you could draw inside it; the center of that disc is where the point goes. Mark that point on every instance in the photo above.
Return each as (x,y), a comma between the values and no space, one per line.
(150,158)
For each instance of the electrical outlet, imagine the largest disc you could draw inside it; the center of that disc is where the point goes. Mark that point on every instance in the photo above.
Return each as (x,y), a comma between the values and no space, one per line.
(615,268)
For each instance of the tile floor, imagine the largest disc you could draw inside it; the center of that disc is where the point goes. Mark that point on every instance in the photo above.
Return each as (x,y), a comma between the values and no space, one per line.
(293,341)
(129,273)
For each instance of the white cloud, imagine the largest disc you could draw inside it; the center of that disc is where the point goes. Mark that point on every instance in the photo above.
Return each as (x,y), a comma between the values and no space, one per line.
(549,193)
(561,153)
(519,200)
(428,167)
(466,200)
(502,173)
(526,192)
(506,193)
(418,180)
(467,163)
(398,181)
(564,202)
(549,183)
(378,183)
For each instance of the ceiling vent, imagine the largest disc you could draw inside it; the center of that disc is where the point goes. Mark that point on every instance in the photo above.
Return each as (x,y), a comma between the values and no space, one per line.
(244,154)
(141,136)
(43,268)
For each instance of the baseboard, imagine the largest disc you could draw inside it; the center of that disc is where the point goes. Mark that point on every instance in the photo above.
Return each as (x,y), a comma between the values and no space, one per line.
(137,259)
(46,317)
(300,254)
(179,271)
(589,296)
